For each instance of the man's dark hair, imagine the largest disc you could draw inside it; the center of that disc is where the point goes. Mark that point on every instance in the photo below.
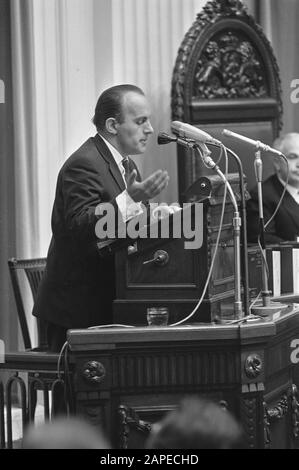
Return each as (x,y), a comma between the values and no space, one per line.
(110,104)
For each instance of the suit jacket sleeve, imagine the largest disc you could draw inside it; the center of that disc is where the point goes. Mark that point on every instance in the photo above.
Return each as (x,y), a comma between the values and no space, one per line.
(83,188)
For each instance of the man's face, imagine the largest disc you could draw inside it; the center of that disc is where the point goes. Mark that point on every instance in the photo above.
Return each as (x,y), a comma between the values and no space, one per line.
(291,151)
(135,128)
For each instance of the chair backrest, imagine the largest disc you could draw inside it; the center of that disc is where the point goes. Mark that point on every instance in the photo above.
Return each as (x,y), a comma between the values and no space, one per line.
(33,269)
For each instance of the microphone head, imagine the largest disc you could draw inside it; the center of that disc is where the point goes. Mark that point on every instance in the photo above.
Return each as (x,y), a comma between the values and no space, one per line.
(164,138)
(183,129)
(187,131)
(176,126)
(226,132)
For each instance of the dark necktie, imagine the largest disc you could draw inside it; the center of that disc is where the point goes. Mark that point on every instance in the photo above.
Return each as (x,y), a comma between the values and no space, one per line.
(125,163)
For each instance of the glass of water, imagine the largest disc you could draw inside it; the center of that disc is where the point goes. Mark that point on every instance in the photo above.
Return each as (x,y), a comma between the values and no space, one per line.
(157,316)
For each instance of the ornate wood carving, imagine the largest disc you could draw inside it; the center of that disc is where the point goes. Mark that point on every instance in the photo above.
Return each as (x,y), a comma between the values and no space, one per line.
(130,419)
(225,72)
(288,402)
(295,410)
(94,372)
(94,406)
(224,55)
(94,412)
(267,439)
(170,368)
(230,67)
(279,410)
(253,366)
(249,407)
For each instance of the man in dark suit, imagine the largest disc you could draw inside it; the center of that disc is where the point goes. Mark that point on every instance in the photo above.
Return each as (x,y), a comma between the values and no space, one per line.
(285,224)
(77,289)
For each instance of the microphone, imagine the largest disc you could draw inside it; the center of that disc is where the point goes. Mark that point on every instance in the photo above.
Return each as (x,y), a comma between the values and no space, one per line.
(205,153)
(164,138)
(256,143)
(205,156)
(187,131)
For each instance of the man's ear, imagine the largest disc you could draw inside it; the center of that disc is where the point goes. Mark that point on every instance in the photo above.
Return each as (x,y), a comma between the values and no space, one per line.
(111,125)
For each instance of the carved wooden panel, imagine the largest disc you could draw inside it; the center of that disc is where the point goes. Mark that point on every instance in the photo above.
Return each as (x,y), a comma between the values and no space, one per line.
(162,370)
(226,75)
(168,276)
(230,66)
(251,415)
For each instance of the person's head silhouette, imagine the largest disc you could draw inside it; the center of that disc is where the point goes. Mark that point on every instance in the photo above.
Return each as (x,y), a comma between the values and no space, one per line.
(197,424)
(64,433)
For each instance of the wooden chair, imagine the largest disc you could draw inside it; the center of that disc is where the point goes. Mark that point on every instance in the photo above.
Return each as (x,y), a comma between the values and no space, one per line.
(26,275)
(28,271)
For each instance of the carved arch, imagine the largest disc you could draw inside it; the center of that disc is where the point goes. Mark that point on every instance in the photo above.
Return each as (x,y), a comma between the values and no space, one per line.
(225,72)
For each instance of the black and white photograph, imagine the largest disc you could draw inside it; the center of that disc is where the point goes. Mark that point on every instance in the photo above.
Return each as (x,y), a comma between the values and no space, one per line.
(149,227)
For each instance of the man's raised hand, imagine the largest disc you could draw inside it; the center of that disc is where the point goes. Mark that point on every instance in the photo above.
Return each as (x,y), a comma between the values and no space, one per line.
(148,188)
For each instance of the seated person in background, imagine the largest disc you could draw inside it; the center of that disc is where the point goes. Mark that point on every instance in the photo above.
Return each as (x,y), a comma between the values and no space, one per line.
(64,433)
(285,225)
(197,424)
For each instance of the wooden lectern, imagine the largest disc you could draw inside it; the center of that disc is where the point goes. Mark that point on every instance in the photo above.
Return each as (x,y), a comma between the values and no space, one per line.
(163,272)
(126,379)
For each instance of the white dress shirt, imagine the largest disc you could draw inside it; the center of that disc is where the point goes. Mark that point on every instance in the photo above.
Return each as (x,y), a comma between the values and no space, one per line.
(127,206)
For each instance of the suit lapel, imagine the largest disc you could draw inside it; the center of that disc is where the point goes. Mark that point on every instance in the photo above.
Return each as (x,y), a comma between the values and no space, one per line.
(106,154)
(288,204)
(292,208)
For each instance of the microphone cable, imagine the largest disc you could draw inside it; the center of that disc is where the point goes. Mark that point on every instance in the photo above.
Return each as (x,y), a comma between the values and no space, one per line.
(65,381)
(264,259)
(283,192)
(216,248)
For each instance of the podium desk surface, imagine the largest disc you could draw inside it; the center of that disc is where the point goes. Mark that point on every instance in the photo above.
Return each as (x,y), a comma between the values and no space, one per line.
(103,337)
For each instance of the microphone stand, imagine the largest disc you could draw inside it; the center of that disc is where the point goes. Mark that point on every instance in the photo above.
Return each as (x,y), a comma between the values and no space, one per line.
(267,306)
(243,233)
(244,249)
(209,162)
(164,138)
